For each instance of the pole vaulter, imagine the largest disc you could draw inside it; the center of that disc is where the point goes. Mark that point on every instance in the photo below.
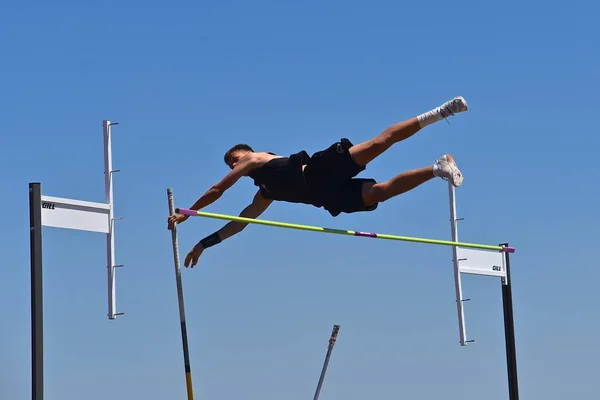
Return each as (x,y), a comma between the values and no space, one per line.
(328,179)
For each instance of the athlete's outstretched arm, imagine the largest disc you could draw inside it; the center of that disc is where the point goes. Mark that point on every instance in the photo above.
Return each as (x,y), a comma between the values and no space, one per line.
(254,210)
(216,191)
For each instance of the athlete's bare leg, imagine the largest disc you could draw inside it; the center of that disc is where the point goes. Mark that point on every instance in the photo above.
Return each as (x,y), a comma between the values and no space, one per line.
(444,167)
(363,153)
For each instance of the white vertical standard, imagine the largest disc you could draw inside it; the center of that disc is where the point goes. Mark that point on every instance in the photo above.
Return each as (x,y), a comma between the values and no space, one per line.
(89,216)
(457,276)
(470,261)
(110,236)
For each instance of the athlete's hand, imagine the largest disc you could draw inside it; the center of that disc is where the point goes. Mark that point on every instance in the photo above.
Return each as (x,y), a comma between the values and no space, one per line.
(193,255)
(175,219)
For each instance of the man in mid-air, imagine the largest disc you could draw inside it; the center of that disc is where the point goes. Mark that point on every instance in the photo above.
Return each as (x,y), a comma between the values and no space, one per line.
(327,178)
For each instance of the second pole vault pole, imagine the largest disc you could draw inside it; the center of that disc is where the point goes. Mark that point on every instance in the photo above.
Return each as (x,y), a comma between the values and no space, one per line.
(332,340)
(186,356)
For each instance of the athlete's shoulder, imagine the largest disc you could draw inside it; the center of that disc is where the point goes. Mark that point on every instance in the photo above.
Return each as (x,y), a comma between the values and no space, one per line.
(261,158)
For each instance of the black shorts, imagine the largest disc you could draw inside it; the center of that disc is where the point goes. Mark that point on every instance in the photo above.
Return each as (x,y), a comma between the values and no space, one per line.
(331,177)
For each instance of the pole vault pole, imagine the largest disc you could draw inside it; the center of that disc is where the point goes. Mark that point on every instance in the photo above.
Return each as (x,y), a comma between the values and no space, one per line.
(186,357)
(332,340)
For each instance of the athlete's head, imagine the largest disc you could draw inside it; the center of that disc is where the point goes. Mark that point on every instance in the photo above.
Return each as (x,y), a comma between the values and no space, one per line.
(233,155)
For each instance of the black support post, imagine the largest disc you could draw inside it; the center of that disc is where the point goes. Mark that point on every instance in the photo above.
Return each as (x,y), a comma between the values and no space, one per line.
(509,333)
(37,314)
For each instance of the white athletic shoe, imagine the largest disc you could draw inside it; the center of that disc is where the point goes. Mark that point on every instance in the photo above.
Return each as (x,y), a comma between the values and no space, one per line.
(446,168)
(454,106)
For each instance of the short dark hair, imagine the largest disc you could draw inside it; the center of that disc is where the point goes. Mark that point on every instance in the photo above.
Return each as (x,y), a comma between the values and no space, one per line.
(237,147)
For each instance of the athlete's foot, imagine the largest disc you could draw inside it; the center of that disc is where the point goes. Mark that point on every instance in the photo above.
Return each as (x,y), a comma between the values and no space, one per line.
(451,107)
(454,106)
(445,168)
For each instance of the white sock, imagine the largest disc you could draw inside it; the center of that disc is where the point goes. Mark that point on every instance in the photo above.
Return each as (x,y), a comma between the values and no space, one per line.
(430,117)
(436,170)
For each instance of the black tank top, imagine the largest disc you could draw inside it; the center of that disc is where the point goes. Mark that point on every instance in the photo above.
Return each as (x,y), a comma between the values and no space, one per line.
(282,179)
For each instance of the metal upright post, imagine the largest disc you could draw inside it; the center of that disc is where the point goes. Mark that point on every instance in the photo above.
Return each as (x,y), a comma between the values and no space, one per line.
(509,332)
(457,278)
(110,236)
(37,309)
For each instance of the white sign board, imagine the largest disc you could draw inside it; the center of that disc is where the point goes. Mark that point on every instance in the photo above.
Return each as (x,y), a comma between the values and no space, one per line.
(481,262)
(75,214)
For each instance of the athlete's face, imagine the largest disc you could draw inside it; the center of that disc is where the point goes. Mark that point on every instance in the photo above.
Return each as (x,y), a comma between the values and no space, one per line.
(235,158)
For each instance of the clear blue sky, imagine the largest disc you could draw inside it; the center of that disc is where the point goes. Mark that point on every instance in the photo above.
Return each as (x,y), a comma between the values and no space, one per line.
(187,81)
